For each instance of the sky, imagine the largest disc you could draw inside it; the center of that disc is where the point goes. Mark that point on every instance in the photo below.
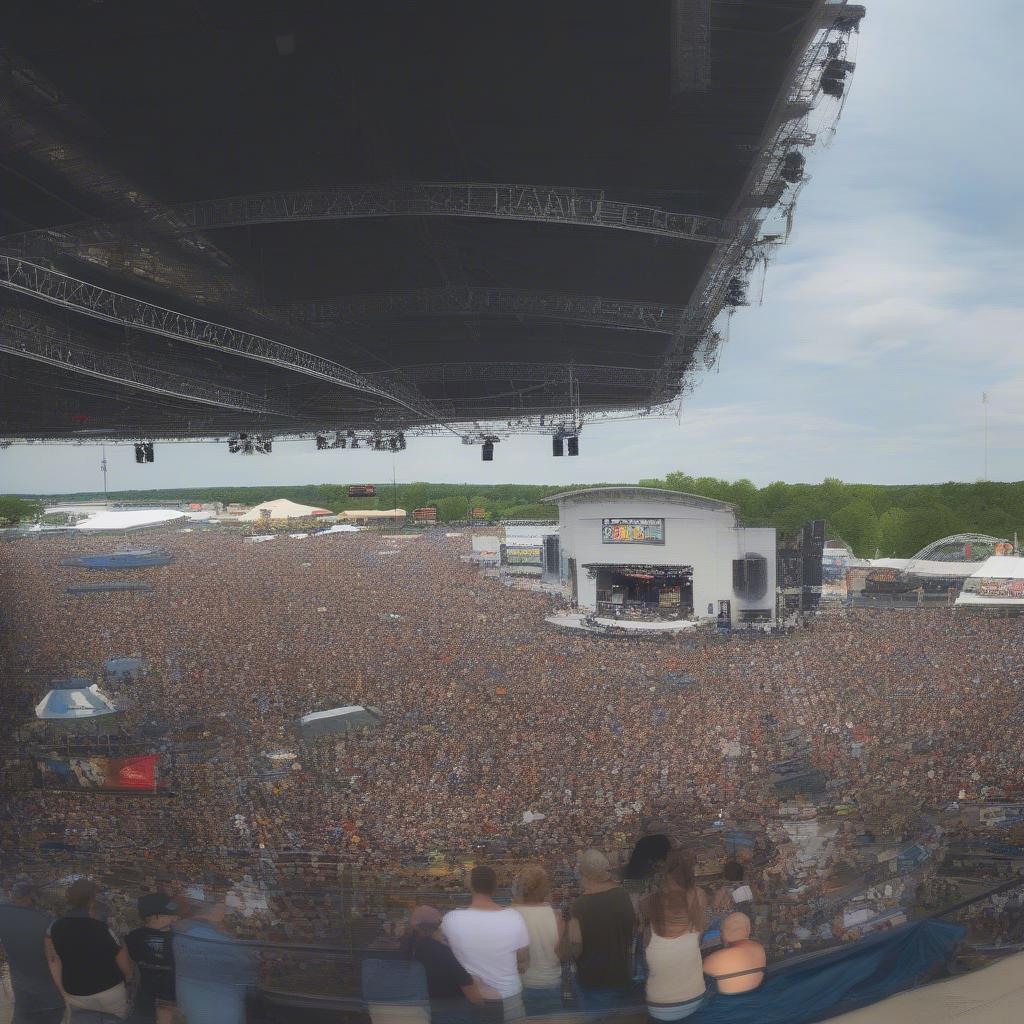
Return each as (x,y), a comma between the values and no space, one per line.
(895,304)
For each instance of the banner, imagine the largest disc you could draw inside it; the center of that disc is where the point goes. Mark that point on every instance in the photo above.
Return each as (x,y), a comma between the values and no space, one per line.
(522,554)
(96,773)
(632,531)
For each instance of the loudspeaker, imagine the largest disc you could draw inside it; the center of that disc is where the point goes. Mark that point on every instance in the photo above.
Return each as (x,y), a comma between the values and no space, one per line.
(147,450)
(487,451)
(140,453)
(739,576)
(557,447)
(574,445)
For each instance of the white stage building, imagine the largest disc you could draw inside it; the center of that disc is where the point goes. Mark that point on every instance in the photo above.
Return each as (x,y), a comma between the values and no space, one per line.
(643,553)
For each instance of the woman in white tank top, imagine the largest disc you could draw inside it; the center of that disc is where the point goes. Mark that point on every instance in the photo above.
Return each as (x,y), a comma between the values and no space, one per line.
(674,915)
(542,979)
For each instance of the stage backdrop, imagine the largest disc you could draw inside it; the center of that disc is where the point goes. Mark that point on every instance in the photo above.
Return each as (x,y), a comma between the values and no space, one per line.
(109,774)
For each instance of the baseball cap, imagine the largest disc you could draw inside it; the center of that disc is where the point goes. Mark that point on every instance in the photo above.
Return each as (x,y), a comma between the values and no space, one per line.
(154,903)
(82,892)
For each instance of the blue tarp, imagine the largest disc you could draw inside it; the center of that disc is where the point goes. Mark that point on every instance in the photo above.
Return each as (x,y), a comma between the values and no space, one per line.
(852,976)
(120,560)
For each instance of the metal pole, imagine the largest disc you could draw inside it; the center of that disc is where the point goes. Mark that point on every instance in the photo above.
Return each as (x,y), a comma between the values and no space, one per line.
(103,467)
(984,403)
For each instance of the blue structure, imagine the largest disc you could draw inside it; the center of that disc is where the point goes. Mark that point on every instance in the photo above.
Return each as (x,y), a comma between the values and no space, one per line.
(108,588)
(121,560)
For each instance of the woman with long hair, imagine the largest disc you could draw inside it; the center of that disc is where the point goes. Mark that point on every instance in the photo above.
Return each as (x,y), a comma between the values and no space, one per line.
(542,979)
(674,916)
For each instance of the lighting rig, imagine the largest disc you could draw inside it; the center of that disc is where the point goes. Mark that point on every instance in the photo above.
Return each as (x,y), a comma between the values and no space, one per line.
(144,451)
(249,444)
(376,440)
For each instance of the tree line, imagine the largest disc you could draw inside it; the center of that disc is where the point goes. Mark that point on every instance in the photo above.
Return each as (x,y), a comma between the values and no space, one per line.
(894,520)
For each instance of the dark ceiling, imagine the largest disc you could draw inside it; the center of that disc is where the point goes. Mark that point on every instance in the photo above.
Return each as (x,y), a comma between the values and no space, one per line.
(111,111)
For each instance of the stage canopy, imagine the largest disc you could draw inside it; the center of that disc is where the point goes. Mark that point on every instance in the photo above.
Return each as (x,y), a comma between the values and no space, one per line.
(129,519)
(282,508)
(74,700)
(340,720)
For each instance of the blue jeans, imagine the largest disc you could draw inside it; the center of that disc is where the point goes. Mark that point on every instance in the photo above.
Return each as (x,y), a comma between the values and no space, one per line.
(541,1001)
(601,1000)
(207,1002)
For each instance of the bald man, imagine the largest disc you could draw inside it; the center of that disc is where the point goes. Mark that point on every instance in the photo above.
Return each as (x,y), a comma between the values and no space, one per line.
(740,955)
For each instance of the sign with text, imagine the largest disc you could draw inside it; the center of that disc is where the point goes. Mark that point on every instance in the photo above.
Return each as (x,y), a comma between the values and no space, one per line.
(113,774)
(521,554)
(632,531)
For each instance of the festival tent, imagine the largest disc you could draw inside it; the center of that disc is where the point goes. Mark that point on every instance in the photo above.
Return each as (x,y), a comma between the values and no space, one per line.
(129,519)
(281,508)
(73,700)
(339,528)
(369,514)
(997,582)
(340,720)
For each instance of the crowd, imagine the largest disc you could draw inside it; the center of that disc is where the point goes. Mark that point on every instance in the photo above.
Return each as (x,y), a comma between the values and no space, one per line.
(501,737)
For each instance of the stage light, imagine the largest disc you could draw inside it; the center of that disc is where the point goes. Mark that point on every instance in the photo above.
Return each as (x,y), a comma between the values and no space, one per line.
(573,445)
(487,451)
(557,447)
(401,441)
(140,454)
(355,441)
(321,442)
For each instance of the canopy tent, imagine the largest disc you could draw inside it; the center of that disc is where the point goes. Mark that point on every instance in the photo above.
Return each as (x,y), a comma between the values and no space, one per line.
(73,700)
(339,528)
(340,720)
(129,519)
(281,508)
(997,583)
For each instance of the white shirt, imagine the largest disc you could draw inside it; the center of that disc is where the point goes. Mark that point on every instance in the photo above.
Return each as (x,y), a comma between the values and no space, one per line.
(485,943)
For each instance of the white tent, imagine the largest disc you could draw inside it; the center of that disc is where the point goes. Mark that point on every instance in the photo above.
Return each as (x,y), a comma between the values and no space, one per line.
(74,700)
(997,583)
(281,508)
(355,514)
(129,519)
(340,528)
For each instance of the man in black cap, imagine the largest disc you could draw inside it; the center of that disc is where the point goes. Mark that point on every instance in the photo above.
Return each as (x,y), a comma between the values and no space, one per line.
(151,948)
(22,930)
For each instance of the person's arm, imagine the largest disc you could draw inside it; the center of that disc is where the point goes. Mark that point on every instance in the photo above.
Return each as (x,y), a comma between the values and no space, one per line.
(575,943)
(472,993)
(523,959)
(53,961)
(560,946)
(124,962)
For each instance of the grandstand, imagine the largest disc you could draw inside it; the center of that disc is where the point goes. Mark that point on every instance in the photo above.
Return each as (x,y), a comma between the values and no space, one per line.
(278,233)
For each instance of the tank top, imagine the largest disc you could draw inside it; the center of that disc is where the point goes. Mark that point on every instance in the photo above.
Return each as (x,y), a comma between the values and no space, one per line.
(542,926)
(674,969)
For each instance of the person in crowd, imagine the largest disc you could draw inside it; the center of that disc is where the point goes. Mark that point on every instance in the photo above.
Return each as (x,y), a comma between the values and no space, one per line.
(735,966)
(542,979)
(213,970)
(23,928)
(451,989)
(151,948)
(88,963)
(602,927)
(492,943)
(674,916)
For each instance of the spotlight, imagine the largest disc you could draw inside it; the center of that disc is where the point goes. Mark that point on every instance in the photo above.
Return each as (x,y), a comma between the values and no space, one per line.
(401,441)
(573,445)
(557,447)
(140,453)
(355,441)
(234,444)
(487,451)
(339,440)
(147,450)
(321,442)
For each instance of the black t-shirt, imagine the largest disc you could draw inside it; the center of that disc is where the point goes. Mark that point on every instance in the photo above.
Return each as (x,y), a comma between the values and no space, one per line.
(87,949)
(152,950)
(608,927)
(445,975)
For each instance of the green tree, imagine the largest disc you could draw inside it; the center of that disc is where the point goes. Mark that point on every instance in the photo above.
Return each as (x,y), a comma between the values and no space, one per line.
(16,510)
(455,507)
(857,524)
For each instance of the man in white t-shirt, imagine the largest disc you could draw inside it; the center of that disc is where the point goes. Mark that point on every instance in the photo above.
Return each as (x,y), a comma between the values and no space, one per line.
(492,944)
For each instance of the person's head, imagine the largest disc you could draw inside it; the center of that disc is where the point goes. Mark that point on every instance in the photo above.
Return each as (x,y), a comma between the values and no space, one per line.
(157,910)
(732,870)
(82,894)
(424,921)
(533,885)
(594,867)
(735,928)
(483,881)
(23,892)
(678,873)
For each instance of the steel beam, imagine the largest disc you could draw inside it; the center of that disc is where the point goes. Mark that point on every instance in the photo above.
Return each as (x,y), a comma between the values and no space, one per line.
(534,373)
(626,314)
(29,338)
(92,300)
(545,204)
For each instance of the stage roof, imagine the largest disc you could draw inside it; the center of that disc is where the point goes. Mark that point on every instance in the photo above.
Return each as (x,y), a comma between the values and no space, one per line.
(285,218)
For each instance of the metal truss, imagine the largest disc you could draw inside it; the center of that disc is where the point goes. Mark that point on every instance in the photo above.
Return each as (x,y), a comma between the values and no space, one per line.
(70,293)
(534,373)
(28,337)
(691,46)
(545,204)
(585,309)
